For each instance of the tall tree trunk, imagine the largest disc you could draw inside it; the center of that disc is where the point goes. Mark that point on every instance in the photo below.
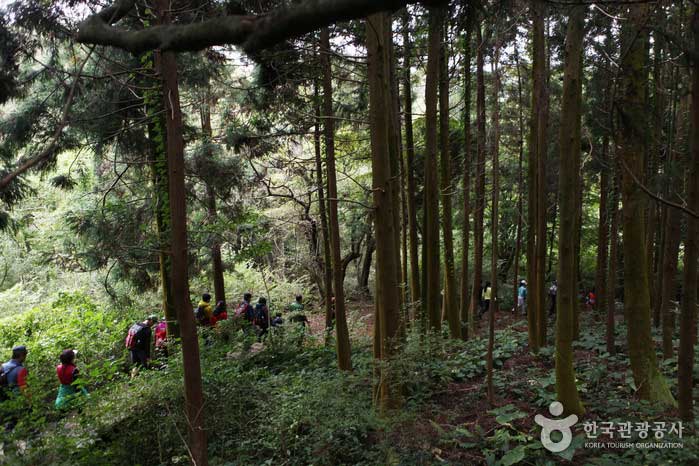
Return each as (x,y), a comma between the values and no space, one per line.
(630,143)
(452,310)
(216,262)
(322,210)
(520,180)
(672,236)
(688,323)
(342,341)
(159,176)
(603,228)
(388,268)
(465,315)
(494,304)
(410,161)
(193,394)
(480,177)
(568,183)
(613,258)
(431,243)
(536,315)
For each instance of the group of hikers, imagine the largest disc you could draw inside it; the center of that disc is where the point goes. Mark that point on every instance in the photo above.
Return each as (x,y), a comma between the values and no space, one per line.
(588,297)
(141,338)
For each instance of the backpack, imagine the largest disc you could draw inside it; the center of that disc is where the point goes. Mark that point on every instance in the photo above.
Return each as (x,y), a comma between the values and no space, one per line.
(240,311)
(200,315)
(4,380)
(260,318)
(130,342)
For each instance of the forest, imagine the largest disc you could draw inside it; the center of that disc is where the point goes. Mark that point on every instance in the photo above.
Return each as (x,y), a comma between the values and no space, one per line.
(349,232)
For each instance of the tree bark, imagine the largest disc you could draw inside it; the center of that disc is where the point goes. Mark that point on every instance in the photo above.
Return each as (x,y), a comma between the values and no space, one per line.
(480,178)
(159,176)
(193,393)
(630,143)
(466,316)
(569,175)
(388,268)
(342,333)
(536,209)
(613,258)
(431,231)
(452,310)
(410,161)
(322,211)
(494,304)
(520,181)
(685,361)
(216,261)
(672,236)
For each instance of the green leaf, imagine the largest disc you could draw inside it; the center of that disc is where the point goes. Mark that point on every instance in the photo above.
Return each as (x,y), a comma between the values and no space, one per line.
(514,456)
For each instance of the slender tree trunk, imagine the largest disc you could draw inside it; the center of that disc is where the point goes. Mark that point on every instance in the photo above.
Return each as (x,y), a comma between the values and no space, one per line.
(672,234)
(216,261)
(342,341)
(603,230)
(388,268)
(365,267)
(520,180)
(159,176)
(536,208)
(613,258)
(568,183)
(480,177)
(410,161)
(494,304)
(193,394)
(327,261)
(630,143)
(542,151)
(466,316)
(685,360)
(431,244)
(452,310)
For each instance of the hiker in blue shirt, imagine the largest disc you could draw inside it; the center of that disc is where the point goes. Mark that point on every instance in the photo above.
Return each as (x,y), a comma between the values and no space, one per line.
(522,297)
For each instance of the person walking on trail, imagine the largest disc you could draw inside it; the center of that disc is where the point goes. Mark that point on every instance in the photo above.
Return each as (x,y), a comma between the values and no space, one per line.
(161,338)
(138,341)
(204,312)
(261,319)
(553,292)
(13,382)
(245,310)
(522,297)
(220,312)
(67,374)
(296,309)
(487,292)
(13,375)
(591,299)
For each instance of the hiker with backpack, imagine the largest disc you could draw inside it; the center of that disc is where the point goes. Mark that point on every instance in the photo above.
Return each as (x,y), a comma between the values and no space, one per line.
(296,309)
(138,341)
(261,318)
(13,375)
(204,313)
(220,313)
(67,374)
(245,309)
(13,382)
(161,338)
